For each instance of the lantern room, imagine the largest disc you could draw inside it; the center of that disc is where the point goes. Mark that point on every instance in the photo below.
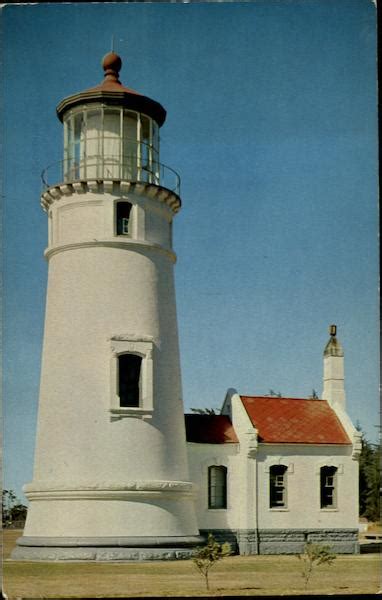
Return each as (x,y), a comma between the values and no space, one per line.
(111,132)
(110,142)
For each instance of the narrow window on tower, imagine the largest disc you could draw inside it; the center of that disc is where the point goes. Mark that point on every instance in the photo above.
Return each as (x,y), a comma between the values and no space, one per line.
(129,380)
(217,487)
(328,481)
(123,217)
(277,486)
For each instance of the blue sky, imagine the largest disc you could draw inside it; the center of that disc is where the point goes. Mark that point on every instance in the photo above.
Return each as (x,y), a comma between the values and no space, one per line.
(272,126)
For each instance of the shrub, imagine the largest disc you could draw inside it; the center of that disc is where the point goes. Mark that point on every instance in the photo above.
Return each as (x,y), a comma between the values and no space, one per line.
(207,556)
(314,555)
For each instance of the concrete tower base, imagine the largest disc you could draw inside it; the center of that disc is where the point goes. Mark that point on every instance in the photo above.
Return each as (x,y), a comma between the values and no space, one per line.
(106,549)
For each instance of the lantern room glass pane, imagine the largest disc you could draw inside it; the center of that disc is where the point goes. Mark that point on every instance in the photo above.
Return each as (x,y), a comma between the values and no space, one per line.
(146,159)
(112,122)
(112,143)
(155,152)
(79,126)
(145,129)
(155,136)
(79,146)
(129,145)
(94,143)
(68,148)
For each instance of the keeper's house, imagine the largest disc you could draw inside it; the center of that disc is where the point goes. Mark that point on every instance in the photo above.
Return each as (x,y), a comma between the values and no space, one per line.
(273,473)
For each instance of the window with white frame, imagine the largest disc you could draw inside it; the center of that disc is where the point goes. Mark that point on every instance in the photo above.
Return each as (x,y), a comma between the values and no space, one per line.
(129,380)
(217,486)
(131,375)
(122,215)
(278,486)
(328,487)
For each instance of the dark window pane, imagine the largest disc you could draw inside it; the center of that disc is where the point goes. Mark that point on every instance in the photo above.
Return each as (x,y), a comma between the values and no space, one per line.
(129,371)
(327,487)
(123,216)
(277,486)
(217,487)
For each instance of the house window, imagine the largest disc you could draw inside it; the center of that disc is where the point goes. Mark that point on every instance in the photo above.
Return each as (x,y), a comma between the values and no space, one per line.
(277,486)
(123,216)
(217,487)
(129,380)
(328,479)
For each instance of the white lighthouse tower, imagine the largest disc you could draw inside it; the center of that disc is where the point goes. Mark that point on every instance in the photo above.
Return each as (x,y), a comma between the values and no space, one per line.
(111,476)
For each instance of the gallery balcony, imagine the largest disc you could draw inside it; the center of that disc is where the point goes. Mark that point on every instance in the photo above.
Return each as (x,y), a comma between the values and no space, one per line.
(125,173)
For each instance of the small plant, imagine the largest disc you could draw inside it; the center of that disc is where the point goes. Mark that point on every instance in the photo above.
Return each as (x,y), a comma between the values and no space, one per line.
(314,556)
(206,557)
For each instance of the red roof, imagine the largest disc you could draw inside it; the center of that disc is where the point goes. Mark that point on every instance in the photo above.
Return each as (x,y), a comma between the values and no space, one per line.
(294,420)
(209,429)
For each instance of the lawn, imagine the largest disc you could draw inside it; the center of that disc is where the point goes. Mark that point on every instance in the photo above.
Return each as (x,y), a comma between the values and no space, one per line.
(236,575)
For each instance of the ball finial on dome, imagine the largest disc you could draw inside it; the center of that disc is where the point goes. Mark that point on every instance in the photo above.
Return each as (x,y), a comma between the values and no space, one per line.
(111,64)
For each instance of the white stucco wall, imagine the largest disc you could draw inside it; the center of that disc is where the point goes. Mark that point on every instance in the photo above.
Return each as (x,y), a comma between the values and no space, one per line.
(303,487)
(248,486)
(202,456)
(125,471)
(90,216)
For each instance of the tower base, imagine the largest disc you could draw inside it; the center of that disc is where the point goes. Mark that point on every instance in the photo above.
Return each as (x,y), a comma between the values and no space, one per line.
(105,549)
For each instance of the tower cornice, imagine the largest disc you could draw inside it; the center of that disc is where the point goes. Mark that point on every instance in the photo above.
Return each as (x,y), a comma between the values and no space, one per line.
(115,187)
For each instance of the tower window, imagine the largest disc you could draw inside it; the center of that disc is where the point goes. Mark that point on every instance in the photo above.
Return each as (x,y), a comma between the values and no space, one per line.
(217,487)
(328,481)
(129,379)
(123,218)
(277,486)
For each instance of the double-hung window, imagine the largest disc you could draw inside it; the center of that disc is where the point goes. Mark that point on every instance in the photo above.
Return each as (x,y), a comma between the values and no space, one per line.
(277,486)
(328,484)
(217,487)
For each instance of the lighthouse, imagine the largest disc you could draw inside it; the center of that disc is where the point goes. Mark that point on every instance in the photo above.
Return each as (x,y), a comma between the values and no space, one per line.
(111,478)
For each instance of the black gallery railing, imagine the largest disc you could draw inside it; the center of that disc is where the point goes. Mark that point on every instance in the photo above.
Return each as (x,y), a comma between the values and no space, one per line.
(132,168)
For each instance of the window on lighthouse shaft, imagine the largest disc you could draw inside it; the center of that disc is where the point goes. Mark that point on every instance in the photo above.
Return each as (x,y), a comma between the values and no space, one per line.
(129,379)
(122,217)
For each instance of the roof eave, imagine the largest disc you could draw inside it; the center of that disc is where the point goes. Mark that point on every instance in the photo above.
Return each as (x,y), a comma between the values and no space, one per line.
(273,443)
(230,442)
(141,104)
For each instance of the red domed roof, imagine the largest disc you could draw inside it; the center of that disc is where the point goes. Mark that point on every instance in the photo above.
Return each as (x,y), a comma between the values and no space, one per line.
(111,91)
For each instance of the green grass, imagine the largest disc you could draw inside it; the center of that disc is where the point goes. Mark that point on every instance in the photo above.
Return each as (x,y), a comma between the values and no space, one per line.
(236,575)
